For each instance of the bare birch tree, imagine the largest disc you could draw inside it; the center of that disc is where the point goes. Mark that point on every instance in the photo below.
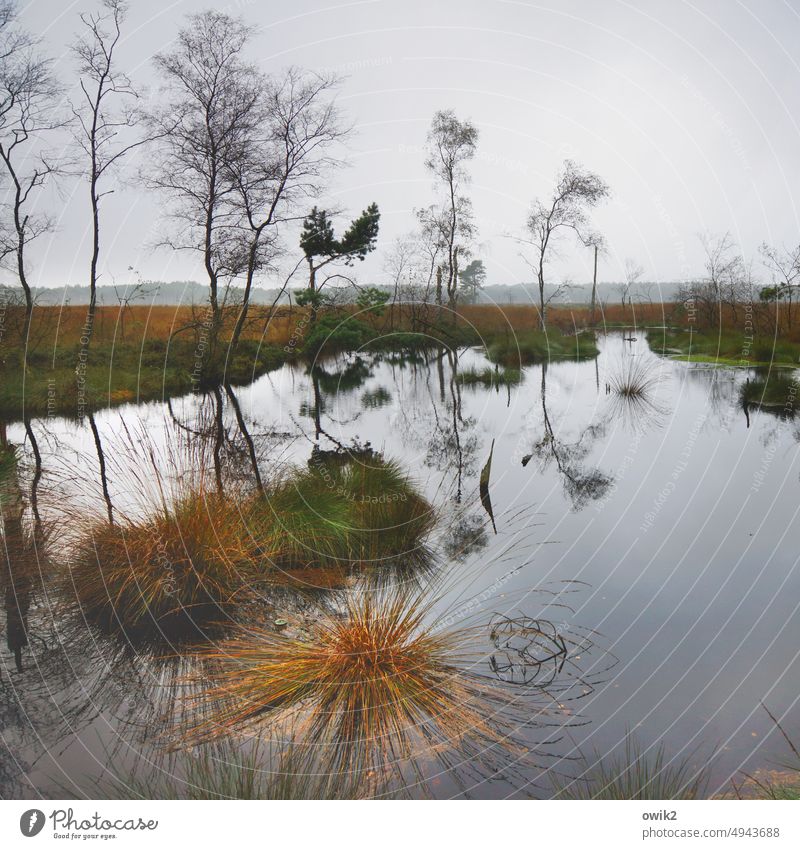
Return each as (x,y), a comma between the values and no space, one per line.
(213,107)
(633,274)
(280,165)
(451,144)
(101,126)
(576,192)
(29,113)
(784,265)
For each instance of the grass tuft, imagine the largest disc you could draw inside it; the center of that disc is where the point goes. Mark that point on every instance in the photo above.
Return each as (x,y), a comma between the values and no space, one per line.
(369,687)
(636,775)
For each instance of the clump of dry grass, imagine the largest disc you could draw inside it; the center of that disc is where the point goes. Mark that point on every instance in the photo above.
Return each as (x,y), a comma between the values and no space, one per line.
(373,687)
(194,546)
(179,568)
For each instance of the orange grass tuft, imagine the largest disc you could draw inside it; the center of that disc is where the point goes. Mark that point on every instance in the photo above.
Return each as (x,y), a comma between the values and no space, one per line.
(371,687)
(175,569)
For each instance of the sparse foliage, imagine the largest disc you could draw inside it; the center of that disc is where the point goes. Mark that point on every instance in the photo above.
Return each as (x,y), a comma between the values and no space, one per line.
(451,144)
(576,192)
(213,107)
(283,164)
(99,124)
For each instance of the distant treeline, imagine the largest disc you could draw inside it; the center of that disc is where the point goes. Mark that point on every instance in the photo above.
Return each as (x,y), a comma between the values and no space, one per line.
(190,292)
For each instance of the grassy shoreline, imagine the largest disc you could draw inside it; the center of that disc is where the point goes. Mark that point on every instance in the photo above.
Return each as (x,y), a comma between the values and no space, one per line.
(726,348)
(153,354)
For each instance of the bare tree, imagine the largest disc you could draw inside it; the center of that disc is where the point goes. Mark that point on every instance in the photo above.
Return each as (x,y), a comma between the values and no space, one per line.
(597,243)
(213,107)
(400,266)
(99,124)
(633,274)
(728,282)
(128,295)
(451,144)
(727,275)
(29,112)
(577,191)
(280,165)
(784,265)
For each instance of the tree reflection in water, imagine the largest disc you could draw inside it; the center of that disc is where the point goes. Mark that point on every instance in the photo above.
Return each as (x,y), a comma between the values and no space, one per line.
(581,483)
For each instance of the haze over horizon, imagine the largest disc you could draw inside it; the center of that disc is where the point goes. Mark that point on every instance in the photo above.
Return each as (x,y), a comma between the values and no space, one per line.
(685,109)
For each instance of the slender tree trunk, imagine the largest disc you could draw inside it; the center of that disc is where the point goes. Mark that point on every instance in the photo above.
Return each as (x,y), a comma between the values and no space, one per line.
(21,227)
(37,476)
(451,293)
(312,285)
(248,285)
(594,288)
(90,315)
(542,320)
(219,437)
(208,260)
(23,279)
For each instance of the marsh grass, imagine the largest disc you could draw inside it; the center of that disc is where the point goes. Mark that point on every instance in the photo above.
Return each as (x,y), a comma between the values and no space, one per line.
(372,688)
(725,347)
(177,570)
(636,774)
(633,386)
(351,514)
(788,787)
(120,373)
(535,346)
(195,549)
(636,378)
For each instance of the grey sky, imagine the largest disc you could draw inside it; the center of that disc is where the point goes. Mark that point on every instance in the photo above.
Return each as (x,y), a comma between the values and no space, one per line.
(690,111)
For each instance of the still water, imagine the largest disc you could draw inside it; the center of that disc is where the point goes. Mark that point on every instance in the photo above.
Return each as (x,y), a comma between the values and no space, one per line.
(669,520)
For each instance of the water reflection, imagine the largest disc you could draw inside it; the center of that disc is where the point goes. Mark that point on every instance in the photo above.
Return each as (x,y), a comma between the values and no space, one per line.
(633,388)
(458,440)
(581,482)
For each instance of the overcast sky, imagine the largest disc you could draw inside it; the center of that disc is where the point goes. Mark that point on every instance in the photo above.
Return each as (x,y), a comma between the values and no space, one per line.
(690,111)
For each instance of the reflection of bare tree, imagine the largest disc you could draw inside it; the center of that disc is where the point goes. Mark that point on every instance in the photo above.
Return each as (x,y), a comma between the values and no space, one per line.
(101,459)
(37,472)
(248,439)
(235,450)
(720,386)
(433,419)
(581,483)
(452,444)
(17,557)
